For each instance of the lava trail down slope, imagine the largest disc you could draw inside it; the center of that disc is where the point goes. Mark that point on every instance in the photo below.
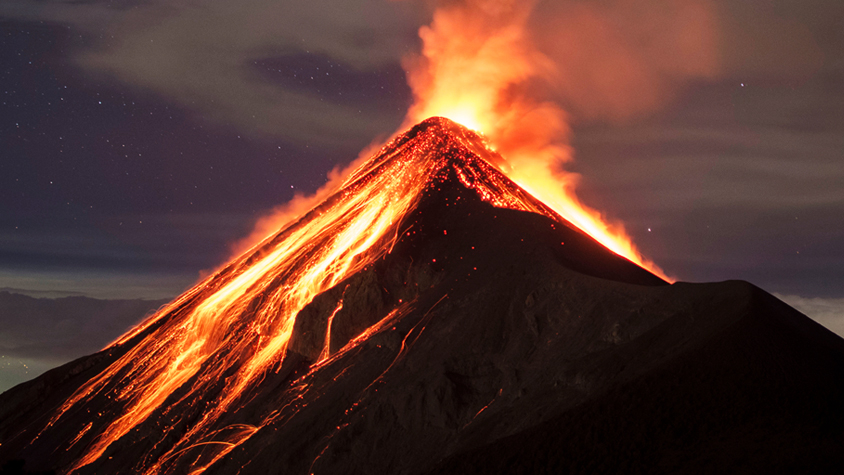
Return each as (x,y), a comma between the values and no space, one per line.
(432,317)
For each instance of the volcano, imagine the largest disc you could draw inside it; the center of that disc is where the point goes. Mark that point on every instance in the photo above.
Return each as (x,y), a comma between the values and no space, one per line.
(431,317)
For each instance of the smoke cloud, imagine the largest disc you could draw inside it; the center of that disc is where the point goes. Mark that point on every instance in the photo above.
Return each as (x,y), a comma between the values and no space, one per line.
(608,60)
(621,58)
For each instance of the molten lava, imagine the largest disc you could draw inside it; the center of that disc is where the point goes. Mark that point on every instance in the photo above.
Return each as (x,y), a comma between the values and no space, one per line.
(225,335)
(432,317)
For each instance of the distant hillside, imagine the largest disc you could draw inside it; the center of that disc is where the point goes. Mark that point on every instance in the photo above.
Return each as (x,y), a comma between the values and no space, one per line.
(39,333)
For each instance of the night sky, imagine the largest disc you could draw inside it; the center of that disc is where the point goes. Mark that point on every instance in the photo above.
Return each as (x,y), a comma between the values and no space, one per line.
(140,139)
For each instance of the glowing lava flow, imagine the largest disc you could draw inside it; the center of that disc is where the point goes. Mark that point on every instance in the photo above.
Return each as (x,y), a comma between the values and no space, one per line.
(196,358)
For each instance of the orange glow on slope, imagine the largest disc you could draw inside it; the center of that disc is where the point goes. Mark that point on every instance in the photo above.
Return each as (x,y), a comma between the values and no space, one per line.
(222,337)
(343,235)
(197,357)
(476,64)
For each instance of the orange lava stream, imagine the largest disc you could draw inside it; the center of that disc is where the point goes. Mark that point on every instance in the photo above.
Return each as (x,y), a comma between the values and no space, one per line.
(197,358)
(206,349)
(215,342)
(244,316)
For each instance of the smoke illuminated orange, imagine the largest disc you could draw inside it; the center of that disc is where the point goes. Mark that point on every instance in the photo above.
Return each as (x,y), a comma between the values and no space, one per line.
(476,64)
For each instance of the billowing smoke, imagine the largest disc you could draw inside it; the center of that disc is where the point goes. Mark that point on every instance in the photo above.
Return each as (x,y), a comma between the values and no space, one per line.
(623,58)
(507,68)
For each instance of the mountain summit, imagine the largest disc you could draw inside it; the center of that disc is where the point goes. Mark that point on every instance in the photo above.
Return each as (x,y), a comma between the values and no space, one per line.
(432,317)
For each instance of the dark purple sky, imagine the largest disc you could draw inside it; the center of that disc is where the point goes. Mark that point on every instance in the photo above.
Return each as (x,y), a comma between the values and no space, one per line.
(114,190)
(139,139)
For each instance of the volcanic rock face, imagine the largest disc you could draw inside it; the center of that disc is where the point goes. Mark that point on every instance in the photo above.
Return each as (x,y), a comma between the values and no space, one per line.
(479,333)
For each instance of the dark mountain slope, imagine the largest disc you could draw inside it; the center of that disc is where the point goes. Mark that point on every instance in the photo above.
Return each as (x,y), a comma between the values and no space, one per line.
(490,340)
(536,357)
(761,395)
